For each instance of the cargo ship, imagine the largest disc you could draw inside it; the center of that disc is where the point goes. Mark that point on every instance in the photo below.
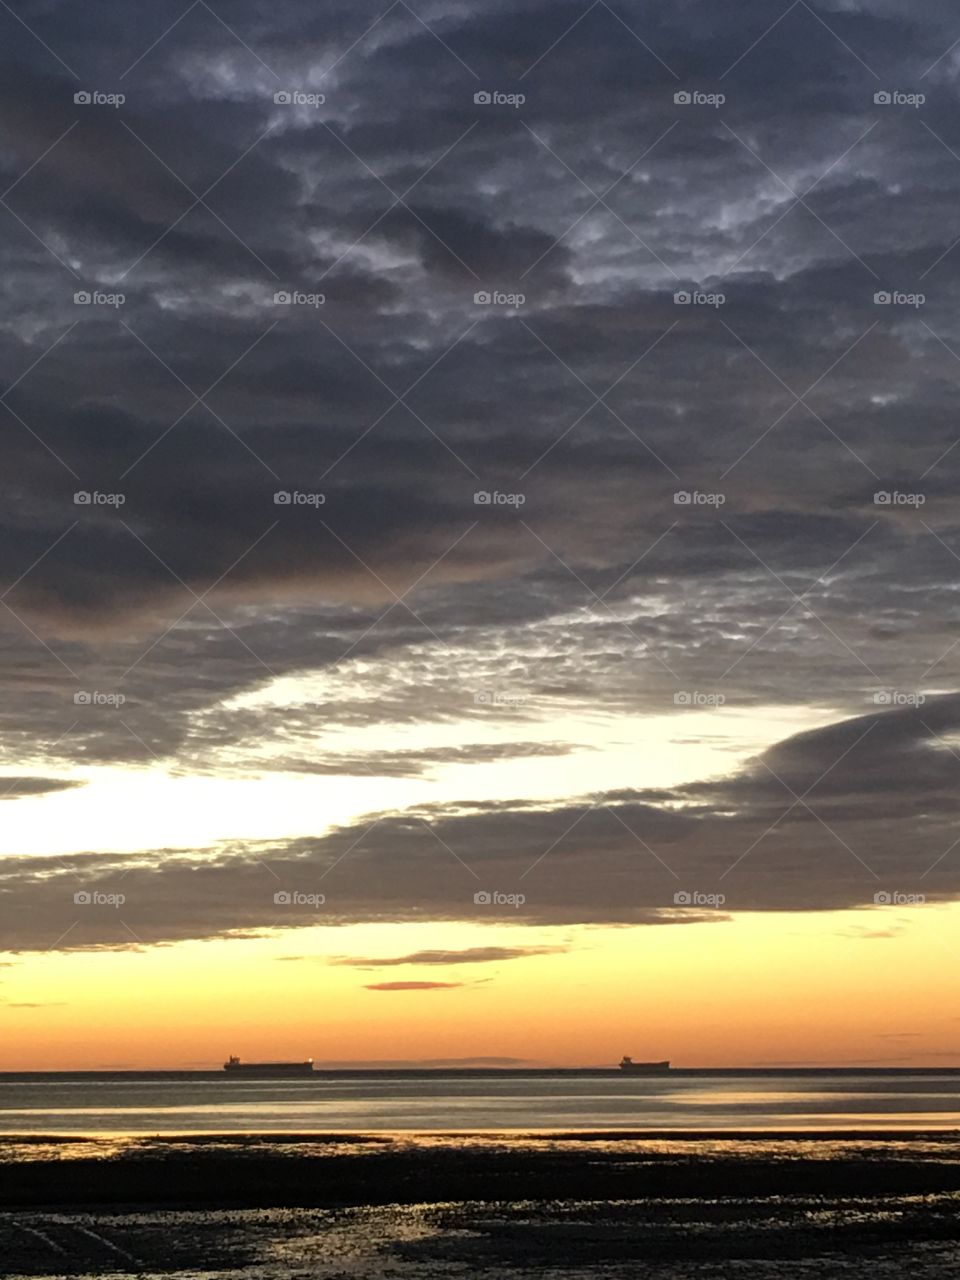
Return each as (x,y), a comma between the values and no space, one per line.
(643,1068)
(236,1067)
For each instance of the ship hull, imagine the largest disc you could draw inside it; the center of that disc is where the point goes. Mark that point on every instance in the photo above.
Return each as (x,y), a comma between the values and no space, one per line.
(269,1069)
(645,1068)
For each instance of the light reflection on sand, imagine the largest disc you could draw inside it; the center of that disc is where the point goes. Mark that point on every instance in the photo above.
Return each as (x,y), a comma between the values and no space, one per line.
(783,1145)
(732,1239)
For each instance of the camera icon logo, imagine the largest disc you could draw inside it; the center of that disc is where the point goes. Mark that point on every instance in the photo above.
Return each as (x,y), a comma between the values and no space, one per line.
(282,898)
(681,298)
(882,699)
(282,498)
(482,498)
(481,298)
(682,498)
(482,98)
(82,898)
(882,298)
(82,98)
(882,498)
(283,97)
(682,898)
(882,898)
(82,298)
(81,698)
(682,699)
(682,98)
(482,898)
(81,498)
(882,98)
(283,297)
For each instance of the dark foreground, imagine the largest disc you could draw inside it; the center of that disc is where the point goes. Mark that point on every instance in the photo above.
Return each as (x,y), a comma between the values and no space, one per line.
(559,1207)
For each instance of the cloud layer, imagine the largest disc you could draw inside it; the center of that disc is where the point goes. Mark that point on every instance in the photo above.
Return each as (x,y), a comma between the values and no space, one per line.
(858,815)
(717,434)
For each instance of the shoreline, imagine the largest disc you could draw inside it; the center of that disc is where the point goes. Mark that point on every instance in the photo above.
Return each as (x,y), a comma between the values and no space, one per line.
(282,1137)
(331,1171)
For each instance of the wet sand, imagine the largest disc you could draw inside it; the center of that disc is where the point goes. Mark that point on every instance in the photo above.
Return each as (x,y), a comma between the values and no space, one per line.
(562,1206)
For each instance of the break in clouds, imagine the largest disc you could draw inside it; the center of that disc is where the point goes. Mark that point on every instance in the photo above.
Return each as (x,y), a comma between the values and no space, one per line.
(483,365)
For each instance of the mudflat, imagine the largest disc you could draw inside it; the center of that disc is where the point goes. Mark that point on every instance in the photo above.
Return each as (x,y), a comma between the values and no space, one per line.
(563,1206)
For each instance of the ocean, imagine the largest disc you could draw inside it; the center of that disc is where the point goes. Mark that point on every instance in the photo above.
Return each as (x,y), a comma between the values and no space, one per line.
(341,1102)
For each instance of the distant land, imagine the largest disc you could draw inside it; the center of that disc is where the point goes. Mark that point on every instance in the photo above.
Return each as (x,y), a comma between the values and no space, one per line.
(413,1072)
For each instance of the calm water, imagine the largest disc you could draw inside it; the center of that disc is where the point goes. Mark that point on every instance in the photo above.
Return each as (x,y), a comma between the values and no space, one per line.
(188,1104)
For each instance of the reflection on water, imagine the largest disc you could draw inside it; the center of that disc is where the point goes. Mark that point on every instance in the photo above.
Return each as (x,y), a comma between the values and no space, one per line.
(146,1104)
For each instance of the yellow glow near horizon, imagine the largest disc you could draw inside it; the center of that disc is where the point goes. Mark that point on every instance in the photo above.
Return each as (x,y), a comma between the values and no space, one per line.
(798,989)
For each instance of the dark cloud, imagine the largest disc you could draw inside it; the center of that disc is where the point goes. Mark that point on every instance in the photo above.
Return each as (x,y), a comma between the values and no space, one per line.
(34,1004)
(467,955)
(599,400)
(15,788)
(411,986)
(404,764)
(858,815)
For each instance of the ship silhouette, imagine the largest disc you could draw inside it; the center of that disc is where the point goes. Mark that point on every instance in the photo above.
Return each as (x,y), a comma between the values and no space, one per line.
(235,1067)
(643,1068)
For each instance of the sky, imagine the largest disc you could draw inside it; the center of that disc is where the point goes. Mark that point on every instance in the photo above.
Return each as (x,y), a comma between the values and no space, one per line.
(478,533)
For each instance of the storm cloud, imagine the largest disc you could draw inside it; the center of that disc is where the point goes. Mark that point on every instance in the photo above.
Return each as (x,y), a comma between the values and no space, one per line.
(484,365)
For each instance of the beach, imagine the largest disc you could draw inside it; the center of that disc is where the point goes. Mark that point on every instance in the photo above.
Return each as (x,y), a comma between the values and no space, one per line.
(434,1174)
(559,1205)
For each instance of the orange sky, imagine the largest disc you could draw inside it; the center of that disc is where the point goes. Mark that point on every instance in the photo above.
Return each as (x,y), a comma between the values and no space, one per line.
(759,990)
